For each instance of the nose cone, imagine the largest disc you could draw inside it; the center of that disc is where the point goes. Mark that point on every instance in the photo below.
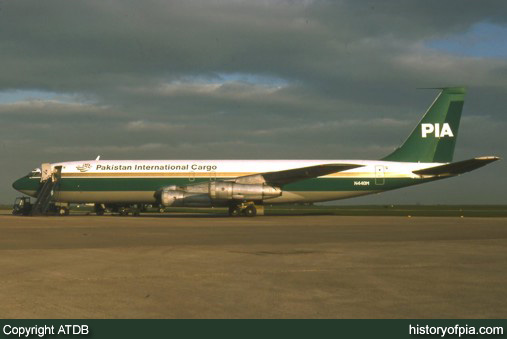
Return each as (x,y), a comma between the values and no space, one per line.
(26,185)
(17,185)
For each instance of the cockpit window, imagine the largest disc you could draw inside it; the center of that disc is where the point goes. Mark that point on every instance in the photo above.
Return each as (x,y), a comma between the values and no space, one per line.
(35,173)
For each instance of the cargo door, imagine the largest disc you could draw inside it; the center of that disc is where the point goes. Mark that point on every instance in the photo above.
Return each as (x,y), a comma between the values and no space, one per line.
(45,172)
(379,175)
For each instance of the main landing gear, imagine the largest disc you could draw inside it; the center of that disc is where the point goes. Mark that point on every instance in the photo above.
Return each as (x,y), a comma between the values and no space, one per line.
(122,210)
(246,210)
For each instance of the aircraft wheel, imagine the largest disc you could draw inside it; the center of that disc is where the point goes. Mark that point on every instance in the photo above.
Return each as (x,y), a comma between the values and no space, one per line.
(250,211)
(63,211)
(99,210)
(234,211)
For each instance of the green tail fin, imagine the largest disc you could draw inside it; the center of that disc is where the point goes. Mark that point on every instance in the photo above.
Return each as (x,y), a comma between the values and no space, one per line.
(434,137)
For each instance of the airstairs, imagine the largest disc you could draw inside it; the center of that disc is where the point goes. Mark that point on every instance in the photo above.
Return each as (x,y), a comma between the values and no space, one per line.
(50,180)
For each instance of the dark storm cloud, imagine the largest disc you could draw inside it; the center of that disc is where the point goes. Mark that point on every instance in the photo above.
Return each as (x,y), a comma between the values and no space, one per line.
(236,79)
(88,44)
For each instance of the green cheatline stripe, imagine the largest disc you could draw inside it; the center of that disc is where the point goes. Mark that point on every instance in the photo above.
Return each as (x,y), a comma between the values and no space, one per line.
(153,184)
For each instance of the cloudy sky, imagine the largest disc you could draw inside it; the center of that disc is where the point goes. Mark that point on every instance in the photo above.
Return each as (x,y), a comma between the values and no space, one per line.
(250,80)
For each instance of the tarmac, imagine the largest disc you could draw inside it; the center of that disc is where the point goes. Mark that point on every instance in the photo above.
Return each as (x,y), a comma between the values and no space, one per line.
(200,266)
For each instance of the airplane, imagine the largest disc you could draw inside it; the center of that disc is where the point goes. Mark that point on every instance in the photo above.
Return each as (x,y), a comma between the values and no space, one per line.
(244,186)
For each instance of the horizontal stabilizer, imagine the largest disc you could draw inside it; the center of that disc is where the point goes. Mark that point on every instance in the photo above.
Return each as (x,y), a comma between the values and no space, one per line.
(280,178)
(456,168)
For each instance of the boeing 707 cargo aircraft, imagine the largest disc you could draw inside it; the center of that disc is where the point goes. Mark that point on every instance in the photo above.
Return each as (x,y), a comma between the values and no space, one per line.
(244,185)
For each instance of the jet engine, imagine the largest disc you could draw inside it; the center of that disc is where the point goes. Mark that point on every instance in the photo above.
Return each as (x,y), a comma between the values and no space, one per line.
(216,193)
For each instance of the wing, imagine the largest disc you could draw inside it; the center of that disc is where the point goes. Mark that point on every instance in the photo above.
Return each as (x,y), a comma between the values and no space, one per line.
(280,178)
(456,168)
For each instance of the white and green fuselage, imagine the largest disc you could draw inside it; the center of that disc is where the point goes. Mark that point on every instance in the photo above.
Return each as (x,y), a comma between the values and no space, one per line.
(127,181)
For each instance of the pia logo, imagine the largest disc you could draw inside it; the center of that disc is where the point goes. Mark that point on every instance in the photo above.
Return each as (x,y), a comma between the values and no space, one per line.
(435,129)
(84,167)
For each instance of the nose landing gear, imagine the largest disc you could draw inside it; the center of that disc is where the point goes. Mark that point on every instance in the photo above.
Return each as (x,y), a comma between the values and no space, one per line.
(63,210)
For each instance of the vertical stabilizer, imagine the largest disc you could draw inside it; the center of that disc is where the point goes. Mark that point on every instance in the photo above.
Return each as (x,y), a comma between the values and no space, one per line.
(434,137)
